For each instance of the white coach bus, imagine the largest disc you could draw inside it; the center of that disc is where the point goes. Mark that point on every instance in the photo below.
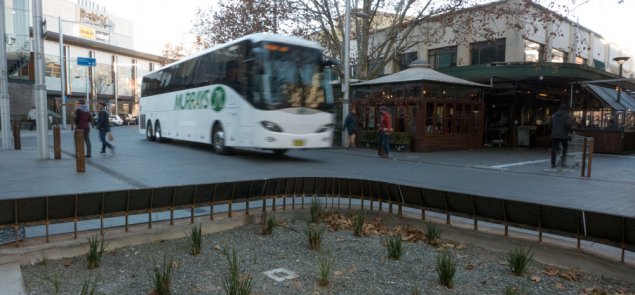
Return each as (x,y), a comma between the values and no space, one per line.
(262,91)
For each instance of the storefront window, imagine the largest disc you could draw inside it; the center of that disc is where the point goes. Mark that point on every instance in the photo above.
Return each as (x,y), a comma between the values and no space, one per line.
(442,57)
(125,83)
(103,74)
(533,51)
(558,56)
(488,51)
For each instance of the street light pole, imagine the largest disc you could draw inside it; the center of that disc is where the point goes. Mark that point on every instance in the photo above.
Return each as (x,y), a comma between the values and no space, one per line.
(40,87)
(345,84)
(620,60)
(5,109)
(62,67)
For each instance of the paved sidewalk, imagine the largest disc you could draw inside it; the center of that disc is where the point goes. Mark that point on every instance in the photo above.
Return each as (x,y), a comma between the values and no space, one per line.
(513,173)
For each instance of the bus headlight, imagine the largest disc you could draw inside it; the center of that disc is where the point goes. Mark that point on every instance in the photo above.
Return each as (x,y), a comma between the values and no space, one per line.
(271,126)
(324,128)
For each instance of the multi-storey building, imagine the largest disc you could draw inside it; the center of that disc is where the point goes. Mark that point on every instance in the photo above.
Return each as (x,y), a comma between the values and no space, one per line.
(88,31)
(535,60)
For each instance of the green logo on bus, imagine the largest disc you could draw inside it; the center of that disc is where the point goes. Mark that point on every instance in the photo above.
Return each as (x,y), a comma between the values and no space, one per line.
(218,99)
(202,99)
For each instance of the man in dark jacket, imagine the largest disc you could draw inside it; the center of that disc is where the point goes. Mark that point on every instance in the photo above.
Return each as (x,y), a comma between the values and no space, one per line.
(560,128)
(103,124)
(83,120)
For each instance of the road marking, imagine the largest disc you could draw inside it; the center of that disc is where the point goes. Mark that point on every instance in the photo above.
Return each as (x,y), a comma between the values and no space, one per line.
(517,164)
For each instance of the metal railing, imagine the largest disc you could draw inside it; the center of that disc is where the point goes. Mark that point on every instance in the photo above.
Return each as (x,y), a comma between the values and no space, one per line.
(613,230)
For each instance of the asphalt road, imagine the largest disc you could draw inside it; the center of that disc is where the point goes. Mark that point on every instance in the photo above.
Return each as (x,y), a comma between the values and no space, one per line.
(516,174)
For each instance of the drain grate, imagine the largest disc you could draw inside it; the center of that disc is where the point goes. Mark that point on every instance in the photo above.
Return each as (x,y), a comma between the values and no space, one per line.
(281,274)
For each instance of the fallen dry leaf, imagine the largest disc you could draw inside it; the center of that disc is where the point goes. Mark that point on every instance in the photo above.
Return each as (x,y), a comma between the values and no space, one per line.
(535,279)
(569,276)
(560,286)
(460,247)
(217,247)
(469,267)
(551,271)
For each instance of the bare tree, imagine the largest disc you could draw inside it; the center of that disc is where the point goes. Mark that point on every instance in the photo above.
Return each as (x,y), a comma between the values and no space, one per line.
(231,19)
(175,52)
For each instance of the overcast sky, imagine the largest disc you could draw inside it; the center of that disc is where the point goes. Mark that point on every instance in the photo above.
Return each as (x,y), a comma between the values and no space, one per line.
(158,22)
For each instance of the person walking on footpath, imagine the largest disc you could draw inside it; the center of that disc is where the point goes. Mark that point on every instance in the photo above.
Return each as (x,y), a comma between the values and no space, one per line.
(103,124)
(350,125)
(385,126)
(560,128)
(83,120)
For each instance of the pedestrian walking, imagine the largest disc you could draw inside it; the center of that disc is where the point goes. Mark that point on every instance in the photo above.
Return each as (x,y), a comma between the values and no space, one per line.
(350,125)
(83,121)
(560,128)
(385,129)
(103,124)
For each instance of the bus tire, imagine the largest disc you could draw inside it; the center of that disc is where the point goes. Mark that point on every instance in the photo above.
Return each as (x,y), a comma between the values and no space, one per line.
(218,140)
(279,152)
(157,132)
(149,132)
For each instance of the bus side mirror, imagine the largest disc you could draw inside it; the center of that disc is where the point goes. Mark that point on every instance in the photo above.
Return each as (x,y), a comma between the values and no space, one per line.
(330,63)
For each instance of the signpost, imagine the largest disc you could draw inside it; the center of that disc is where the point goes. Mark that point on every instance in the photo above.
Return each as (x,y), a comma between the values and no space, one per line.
(87,62)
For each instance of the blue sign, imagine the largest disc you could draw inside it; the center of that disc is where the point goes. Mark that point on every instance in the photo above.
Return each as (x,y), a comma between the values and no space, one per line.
(86,61)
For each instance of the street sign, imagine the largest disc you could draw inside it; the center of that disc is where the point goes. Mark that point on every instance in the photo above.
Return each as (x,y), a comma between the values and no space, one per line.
(86,61)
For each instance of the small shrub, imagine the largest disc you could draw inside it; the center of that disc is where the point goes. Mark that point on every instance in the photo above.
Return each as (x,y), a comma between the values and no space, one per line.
(433,233)
(358,224)
(518,260)
(88,288)
(44,261)
(234,283)
(195,239)
(316,211)
(268,224)
(446,268)
(314,234)
(163,277)
(326,261)
(395,247)
(96,247)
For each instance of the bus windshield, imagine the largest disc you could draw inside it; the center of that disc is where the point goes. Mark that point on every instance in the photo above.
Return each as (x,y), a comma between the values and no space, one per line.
(294,77)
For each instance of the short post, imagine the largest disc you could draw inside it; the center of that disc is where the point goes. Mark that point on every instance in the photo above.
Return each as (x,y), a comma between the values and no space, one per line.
(591,143)
(16,136)
(583,157)
(57,144)
(80,161)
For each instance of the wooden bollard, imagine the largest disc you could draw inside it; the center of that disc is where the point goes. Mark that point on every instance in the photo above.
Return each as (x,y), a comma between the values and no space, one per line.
(57,142)
(16,136)
(80,160)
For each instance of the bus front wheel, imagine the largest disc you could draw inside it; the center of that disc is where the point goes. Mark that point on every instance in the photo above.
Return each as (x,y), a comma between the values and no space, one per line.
(149,133)
(218,140)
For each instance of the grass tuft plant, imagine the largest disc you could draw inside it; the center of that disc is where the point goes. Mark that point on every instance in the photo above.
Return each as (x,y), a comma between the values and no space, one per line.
(433,233)
(395,247)
(55,283)
(316,211)
(268,224)
(512,290)
(326,261)
(234,283)
(96,247)
(314,233)
(518,260)
(89,286)
(416,289)
(162,278)
(446,268)
(358,223)
(195,239)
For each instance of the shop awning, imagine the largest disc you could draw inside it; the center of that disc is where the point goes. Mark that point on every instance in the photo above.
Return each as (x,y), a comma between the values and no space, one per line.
(608,95)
